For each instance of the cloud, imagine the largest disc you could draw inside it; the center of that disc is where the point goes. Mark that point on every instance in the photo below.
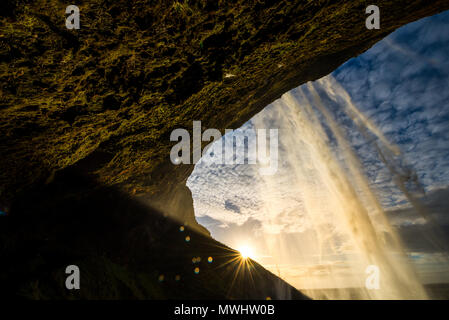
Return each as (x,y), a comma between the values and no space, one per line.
(401,85)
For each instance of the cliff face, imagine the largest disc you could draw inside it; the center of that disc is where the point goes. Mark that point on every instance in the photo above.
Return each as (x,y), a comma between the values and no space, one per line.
(99,103)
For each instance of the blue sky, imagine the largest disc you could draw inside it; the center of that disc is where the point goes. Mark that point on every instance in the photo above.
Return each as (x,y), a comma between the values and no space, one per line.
(402,85)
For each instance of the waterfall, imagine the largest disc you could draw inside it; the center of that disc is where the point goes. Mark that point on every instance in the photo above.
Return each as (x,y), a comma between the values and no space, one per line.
(348,231)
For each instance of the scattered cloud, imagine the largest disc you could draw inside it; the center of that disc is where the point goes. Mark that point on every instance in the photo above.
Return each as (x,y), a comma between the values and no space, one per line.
(401,85)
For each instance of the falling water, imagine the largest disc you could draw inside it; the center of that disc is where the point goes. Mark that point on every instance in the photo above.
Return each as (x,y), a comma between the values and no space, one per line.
(350,229)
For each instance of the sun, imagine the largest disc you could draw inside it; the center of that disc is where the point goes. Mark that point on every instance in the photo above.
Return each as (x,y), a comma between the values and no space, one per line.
(246,252)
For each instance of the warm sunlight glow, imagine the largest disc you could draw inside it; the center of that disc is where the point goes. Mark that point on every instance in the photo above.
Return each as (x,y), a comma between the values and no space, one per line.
(246,252)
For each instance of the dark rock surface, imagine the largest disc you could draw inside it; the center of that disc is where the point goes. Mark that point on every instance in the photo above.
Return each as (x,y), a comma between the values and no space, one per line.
(123,248)
(86,115)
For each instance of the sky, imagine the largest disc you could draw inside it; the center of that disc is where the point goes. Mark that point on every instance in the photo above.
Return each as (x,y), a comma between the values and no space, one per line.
(400,85)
